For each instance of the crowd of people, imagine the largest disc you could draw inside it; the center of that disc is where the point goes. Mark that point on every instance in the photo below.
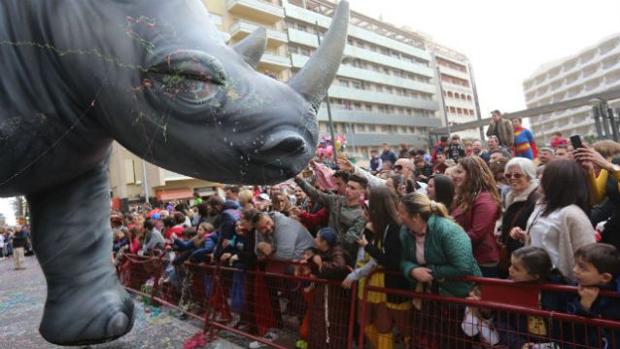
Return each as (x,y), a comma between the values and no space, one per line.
(412,220)
(15,242)
(504,211)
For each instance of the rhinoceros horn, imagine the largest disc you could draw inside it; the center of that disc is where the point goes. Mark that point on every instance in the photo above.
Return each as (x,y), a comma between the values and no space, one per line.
(314,79)
(252,47)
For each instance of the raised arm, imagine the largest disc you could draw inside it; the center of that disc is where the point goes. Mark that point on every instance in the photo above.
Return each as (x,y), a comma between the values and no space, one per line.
(315,194)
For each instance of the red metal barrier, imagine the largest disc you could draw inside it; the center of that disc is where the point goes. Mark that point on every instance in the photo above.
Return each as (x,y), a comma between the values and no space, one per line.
(507,315)
(252,303)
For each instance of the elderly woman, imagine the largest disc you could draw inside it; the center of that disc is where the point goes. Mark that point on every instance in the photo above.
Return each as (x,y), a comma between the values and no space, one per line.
(519,203)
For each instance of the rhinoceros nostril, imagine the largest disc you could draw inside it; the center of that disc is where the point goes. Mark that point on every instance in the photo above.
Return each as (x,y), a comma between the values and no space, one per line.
(284,145)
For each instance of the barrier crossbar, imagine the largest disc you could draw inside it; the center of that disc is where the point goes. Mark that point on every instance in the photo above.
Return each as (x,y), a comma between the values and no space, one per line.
(307,312)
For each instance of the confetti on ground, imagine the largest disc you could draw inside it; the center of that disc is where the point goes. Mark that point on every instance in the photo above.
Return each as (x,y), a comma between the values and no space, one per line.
(22,296)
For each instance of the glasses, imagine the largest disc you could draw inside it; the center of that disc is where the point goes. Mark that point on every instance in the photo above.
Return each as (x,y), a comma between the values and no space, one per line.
(398,168)
(513,175)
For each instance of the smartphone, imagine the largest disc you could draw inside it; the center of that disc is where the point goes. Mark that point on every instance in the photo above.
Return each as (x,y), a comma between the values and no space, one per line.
(576,141)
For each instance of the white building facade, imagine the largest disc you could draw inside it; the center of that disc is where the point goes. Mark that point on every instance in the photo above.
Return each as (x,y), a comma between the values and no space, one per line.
(456,84)
(591,70)
(385,90)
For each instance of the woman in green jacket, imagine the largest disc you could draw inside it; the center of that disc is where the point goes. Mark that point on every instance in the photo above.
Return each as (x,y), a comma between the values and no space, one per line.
(435,251)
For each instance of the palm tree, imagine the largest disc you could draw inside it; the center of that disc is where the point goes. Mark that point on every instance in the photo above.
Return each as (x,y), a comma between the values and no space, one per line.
(20,206)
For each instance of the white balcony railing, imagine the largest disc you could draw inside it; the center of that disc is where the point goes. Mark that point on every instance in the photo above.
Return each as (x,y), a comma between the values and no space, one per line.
(243,28)
(256,8)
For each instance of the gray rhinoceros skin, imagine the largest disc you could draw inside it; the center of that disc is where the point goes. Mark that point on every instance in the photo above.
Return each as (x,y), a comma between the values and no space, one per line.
(155,76)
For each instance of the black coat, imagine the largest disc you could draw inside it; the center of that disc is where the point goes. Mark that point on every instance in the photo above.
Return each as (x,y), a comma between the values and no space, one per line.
(516,215)
(20,239)
(388,256)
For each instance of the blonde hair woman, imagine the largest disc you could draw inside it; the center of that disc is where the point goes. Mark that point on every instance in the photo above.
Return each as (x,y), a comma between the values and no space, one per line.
(436,250)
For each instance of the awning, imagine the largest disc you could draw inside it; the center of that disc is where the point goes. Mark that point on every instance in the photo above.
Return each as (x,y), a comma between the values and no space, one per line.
(174,194)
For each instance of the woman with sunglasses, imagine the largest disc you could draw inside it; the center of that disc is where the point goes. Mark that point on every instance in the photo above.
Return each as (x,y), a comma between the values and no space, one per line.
(518,204)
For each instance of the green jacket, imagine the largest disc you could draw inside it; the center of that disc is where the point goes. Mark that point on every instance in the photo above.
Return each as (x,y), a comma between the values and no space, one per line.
(448,253)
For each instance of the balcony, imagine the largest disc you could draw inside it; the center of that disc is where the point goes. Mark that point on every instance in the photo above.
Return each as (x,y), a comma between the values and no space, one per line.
(311,17)
(459,103)
(377,139)
(170,176)
(258,10)
(275,63)
(453,72)
(376,118)
(307,39)
(349,71)
(240,29)
(381,98)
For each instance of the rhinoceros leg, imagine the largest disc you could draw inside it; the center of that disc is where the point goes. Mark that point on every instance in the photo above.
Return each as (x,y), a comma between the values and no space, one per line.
(72,239)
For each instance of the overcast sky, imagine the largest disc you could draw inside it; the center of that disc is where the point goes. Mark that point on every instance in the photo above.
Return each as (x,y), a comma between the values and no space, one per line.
(505,40)
(7,211)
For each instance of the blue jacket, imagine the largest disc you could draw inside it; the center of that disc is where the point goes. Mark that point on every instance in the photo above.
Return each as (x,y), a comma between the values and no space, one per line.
(607,308)
(227,220)
(388,156)
(198,254)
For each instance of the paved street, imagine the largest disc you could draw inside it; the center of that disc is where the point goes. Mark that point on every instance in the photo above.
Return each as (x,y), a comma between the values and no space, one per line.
(22,296)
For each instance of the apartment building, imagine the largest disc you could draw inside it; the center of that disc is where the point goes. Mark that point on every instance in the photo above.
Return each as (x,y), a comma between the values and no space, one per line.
(455,79)
(385,90)
(593,69)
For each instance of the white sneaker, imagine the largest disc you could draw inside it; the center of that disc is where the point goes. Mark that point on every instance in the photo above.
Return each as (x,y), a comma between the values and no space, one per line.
(270,336)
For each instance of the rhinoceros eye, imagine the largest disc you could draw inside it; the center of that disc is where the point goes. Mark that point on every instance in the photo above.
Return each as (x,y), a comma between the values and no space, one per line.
(189,88)
(189,80)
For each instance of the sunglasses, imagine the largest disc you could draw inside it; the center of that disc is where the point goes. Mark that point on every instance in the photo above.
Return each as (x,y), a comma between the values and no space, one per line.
(398,167)
(513,175)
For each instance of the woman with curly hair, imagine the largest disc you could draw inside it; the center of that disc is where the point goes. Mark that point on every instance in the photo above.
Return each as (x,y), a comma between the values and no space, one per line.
(476,208)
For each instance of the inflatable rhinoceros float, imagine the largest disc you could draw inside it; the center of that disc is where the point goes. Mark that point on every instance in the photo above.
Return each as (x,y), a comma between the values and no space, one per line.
(157,77)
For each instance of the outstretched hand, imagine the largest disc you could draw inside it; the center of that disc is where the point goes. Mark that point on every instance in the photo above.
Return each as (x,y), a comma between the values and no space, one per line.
(345,165)
(587,156)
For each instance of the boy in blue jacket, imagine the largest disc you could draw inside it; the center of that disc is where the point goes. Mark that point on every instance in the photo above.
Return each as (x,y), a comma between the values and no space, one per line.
(597,268)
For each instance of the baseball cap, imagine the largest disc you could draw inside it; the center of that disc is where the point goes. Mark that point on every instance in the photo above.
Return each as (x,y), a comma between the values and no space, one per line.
(328,235)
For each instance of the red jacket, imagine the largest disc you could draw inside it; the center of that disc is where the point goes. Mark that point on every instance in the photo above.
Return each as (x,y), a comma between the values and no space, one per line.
(479,223)
(316,220)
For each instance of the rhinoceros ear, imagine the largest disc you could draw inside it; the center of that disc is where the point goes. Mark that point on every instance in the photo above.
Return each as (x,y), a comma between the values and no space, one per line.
(252,47)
